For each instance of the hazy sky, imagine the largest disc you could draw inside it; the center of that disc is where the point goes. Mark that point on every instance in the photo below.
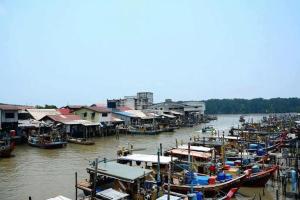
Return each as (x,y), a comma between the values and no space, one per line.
(81,52)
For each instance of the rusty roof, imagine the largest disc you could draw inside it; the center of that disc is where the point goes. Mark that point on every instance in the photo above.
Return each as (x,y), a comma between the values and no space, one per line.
(9,107)
(63,118)
(98,109)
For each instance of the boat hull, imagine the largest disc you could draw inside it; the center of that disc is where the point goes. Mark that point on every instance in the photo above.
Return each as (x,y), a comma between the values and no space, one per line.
(5,151)
(49,146)
(209,191)
(259,179)
(74,141)
(144,132)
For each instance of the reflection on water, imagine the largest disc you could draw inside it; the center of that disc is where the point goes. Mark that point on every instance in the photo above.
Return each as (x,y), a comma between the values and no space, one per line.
(42,173)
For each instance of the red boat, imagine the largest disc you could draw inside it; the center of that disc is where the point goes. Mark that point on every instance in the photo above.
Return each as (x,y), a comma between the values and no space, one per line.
(261,178)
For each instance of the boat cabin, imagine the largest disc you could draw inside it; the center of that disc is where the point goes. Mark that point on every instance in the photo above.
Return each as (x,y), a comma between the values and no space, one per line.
(133,181)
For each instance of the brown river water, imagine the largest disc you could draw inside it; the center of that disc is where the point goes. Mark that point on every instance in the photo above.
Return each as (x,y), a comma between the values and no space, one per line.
(42,173)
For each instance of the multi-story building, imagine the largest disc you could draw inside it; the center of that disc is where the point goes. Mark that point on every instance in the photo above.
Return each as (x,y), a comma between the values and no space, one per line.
(139,102)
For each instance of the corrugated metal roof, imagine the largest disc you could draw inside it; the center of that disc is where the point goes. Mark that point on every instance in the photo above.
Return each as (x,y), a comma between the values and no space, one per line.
(125,114)
(139,114)
(64,111)
(82,122)
(9,107)
(63,118)
(40,113)
(192,153)
(122,172)
(98,109)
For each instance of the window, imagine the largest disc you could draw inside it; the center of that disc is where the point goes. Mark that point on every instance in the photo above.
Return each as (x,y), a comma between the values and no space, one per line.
(104,114)
(9,115)
(84,114)
(93,115)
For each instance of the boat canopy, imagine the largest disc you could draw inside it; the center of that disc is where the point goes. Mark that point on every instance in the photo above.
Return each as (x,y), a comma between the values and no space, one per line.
(225,137)
(59,198)
(195,148)
(112,194)
(165,197)
(185,152)
(121,172)
(148,158)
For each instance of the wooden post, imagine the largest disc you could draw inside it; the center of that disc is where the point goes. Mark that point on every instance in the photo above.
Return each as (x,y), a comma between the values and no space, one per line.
(277,194)
(160,148)
(158,172)
(76,189)
(169,179)
(95,178)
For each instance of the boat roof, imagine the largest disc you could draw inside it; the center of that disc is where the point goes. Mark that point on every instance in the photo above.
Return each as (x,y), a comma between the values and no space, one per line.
(122,172)
(225,137)
(165,197)
(185,152)
(112,194)
(59,198)
(195,148)
(148,158)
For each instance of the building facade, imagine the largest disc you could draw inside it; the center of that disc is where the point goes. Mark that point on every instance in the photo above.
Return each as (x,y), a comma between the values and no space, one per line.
(139,102)
(94,114)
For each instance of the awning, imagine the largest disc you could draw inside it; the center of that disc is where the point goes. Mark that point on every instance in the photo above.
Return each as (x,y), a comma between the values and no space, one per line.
(184,152)
(195,148)
(59,198)
(112,194)
(121,172)
(148,158)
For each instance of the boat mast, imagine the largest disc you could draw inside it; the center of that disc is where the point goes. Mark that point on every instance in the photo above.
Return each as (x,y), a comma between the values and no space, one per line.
(190,165)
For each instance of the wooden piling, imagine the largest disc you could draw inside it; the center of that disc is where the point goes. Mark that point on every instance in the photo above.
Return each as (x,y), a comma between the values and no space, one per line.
(76,189)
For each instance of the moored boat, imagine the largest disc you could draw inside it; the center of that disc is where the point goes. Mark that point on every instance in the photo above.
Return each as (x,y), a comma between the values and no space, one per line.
(46,142)
(82,141)
(209,190)
(260,178)
(6,146)
(5,149)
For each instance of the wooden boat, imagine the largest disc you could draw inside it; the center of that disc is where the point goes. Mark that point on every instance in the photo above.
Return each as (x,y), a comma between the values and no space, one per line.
(211,190)
(208,129)
(115,178)
(6,149)
(261,178)
(46,142)
(144,131)
(242,119)
(83,141)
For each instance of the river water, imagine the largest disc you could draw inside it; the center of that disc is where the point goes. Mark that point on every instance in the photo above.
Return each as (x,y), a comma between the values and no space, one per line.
(42,173)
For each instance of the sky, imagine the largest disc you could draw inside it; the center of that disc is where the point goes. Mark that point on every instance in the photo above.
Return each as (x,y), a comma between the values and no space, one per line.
(82,52)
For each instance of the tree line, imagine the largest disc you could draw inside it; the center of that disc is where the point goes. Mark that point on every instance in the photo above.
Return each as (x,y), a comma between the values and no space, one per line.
(258,105)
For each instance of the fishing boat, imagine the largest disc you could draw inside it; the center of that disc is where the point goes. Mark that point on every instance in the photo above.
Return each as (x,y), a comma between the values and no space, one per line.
(46,141)
(143,130)
(242,119)
(7,145)
(6,148)
(202,183)
(260,178)
(208,129)
(83,141)
(110,179)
